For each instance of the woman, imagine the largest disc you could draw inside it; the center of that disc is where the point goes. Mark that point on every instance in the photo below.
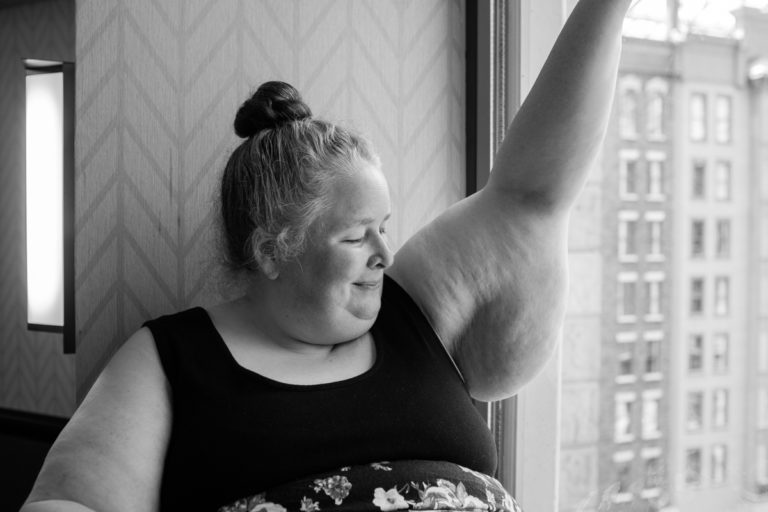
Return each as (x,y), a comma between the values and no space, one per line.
(340,355)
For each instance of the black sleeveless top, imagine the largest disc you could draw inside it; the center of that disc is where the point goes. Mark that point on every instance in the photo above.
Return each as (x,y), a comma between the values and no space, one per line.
(236,433)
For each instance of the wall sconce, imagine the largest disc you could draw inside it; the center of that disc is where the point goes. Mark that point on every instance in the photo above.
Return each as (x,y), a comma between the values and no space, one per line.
(50,198)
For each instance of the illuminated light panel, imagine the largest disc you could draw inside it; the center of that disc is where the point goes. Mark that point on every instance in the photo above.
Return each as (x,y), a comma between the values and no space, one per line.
(45,174)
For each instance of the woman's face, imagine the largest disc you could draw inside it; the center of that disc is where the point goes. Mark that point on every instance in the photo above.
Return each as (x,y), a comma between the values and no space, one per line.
(333,289)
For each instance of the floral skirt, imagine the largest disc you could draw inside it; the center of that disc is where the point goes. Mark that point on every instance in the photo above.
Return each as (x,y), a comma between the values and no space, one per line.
(385,486)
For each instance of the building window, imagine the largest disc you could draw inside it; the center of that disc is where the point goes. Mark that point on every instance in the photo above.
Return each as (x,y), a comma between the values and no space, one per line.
(654,222)
(624,481)
(654,282)
(697,238)
(698,120)
(723,180)
(697,296)
(695,411)
(628,174)
(623,431)
(651,407)
(699,180)
(626,371)
(627,300)
(628,222)
(720,359)
(722,295)
(720,408)
(652,356)
(723,119)
(723,241)
(629,98)
(654,122)
(693,466)
(654,187)
(695,352)
(719,463)
(653,476)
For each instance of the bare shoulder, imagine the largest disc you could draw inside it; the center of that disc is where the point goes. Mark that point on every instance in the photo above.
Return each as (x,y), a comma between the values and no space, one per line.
(490,274)
(110,455)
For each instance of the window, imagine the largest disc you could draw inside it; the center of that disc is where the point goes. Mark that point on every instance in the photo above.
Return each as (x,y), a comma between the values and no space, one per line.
(699,180)
(654,282)
(628,174)
(693,466)
(720,408)
(627,300)
(720,358)
(654,222)
(652,356)
(723,238)
(623,431)
(628,235)
(695,352)
(654,121)
(723,119)
(626,371)
(722,295)
(653,473)
(698,117)
(697,238)
(650,423)
(629,98)
(719,463)
(723,180)
(623,492)
(695,411)
(654,184)
(697,296)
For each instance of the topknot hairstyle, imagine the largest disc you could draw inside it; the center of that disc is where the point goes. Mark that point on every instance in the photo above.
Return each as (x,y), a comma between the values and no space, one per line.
(277,182)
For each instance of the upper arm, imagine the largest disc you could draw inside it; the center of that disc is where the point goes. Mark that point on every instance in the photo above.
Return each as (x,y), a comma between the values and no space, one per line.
(490,274)
(110,455)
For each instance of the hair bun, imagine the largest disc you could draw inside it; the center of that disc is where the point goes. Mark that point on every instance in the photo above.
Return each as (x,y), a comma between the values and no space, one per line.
(273,104)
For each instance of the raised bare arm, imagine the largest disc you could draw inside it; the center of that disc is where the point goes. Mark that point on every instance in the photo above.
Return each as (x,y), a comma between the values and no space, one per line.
(490,273)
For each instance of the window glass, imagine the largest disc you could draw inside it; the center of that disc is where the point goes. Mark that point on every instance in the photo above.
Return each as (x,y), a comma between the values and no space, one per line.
(693,466)
(655,115)
(653,476)
(720,360)
(627,302)
(655,180)
(650,424)
(628,237)
(720,408)
(629,111)
(697,296)
(695,410)
(723,242)
(698,117)
(655,230)
(699,180)
(723,180)
(652,356)
(723,119)
(623,431)
(697,238)
(628,172)
(695,352)
(722,295)
(719,463)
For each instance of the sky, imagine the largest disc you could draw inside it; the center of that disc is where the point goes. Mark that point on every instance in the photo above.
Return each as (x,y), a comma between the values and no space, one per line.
(647,17)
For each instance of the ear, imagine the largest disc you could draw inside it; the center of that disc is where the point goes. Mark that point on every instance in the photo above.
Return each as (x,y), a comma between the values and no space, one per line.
(268,266)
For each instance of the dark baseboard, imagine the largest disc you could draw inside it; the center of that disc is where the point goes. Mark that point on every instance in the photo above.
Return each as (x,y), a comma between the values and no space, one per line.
(32,426)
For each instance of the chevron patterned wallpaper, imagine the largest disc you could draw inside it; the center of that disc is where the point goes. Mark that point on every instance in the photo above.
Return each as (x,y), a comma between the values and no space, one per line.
(35,375)
(158,84)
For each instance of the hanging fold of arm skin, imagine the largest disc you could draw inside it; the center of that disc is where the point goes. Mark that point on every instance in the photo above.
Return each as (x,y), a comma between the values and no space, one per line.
(490,272)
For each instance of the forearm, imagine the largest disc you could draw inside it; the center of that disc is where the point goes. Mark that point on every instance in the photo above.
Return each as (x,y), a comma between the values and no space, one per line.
(555,136)
(55,506)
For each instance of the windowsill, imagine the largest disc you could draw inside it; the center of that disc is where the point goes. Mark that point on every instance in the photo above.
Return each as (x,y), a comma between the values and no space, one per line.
(652,377)
(626,379)
(655,317)
(655,197)
(624,497)
(650,493)
(627,319)
(628,258)
(652,436)
(655,257)
(624,439)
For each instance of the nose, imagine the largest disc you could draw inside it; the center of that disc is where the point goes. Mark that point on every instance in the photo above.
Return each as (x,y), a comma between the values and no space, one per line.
(382,256)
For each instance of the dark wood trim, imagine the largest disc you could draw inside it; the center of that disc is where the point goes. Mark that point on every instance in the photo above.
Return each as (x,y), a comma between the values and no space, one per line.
(32,426)
(69,342)
(45,328)
(470,77)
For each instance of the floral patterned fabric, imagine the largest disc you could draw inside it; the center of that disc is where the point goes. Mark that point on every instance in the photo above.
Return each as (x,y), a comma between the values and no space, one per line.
(385,486)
